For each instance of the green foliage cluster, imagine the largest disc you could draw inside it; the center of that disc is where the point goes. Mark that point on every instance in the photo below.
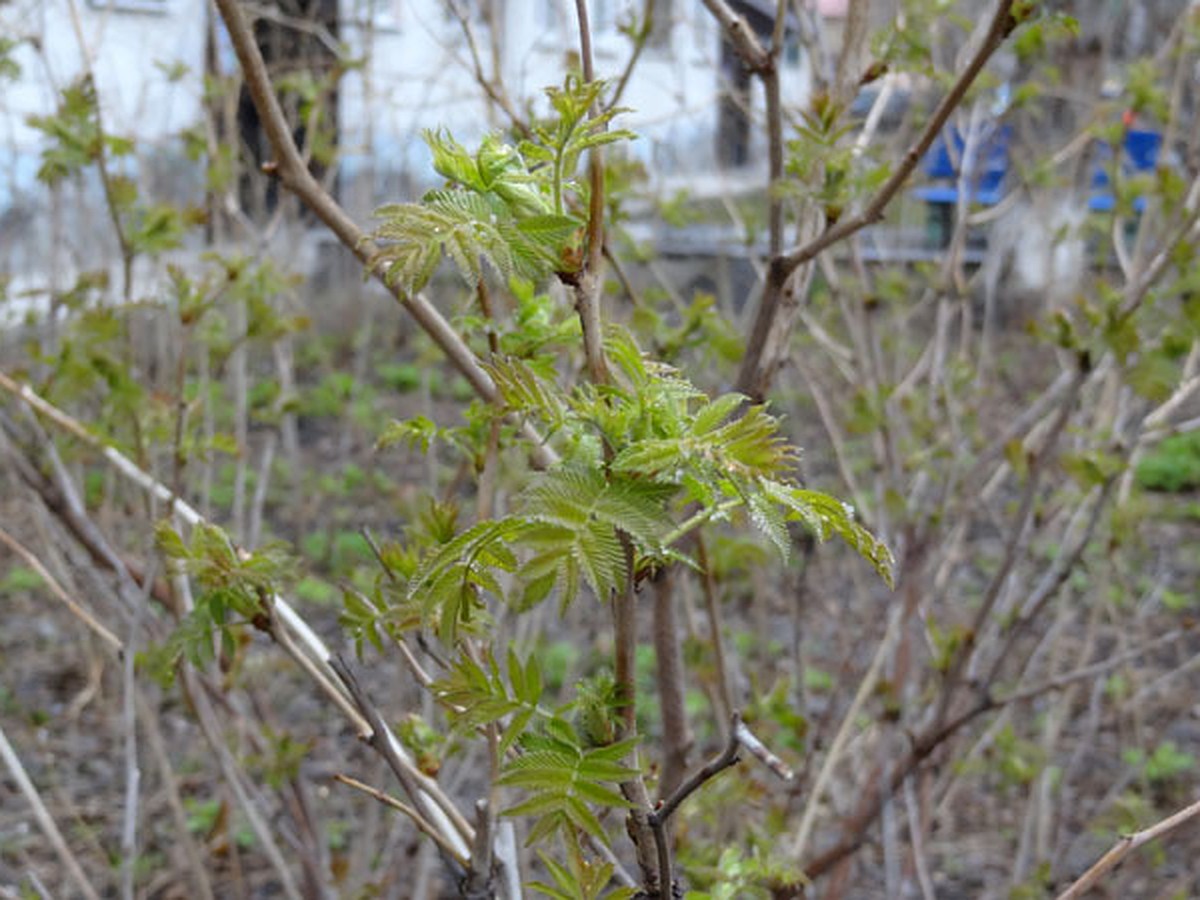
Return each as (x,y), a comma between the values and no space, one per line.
(76,140)
(514,207)
(1172,466)
(236,589)
(684,460)
(646,459)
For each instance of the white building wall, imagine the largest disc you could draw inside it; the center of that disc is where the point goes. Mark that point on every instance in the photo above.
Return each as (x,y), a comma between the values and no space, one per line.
(417,75)
(124,41)
(125,47)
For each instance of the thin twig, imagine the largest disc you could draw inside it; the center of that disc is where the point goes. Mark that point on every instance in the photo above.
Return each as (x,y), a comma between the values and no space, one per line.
(201,884)
(434,805)
(740,34)
(400,806)
(287,627)
(294,175)
(740,738)
(1013,546)
(107,182)
(639,44)
(478,882)
(588,283)
(206,717)
(658,819)
(508,859)
(133,772)
(672,689)
(93,624)
(760,751)
(916,837)
(624,612)
(708,583)
(494,88)
(44,819)
(1126,845)
(177,508)
(756,372)
(923,745)
(1003,23)
(837,747)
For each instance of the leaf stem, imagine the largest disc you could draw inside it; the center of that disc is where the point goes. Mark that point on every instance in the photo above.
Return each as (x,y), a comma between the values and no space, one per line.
(587,289)
(699,518)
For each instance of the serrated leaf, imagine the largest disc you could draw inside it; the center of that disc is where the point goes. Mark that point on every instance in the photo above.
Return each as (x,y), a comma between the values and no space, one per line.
(523,390)
(546,826)
(535,590)
(565,781)
(576,514)
(465,226)
(170,544)
(615,751)
(599,794)
(768,518)
(549,230)
(827,515)
(516,727)
(709,416)
(447,584)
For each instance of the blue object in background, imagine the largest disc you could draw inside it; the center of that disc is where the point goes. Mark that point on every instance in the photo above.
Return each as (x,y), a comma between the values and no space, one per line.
(1139,154)
(991,168)
(1140,151)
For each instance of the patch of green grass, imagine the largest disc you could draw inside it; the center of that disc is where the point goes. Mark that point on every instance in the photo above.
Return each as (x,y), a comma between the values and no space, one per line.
(314,590)
(330,396)
(1166,762)
(20,578)
(222,489)
(1172,466)
(315,545)
(94,488)
(401,377)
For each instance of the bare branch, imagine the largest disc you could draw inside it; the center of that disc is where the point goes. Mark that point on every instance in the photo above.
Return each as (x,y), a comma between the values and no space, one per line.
(1002,25)
(624,612)
(658,819)
(93,624)
(1126,845)
(756,372)
(286,627)
(292,172)
(639,44)
(494,88)
(479,867)
(400,806)
(434,805)
(133,772)
(760,751)
(206,717)
(837,747)
(44,819)
(668,653)
(740,737)
(587,288)
(201,884)
(739,33)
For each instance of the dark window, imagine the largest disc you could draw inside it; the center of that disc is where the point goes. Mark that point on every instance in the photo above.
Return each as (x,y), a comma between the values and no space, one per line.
(294,38)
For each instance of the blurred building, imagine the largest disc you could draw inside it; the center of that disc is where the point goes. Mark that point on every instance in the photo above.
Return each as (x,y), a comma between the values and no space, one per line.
(403,66)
